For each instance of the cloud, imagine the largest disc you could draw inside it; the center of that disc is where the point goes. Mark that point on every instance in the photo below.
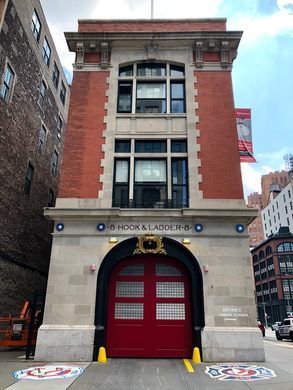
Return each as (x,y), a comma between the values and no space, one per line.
(266,163)
(65,56)
(256,26)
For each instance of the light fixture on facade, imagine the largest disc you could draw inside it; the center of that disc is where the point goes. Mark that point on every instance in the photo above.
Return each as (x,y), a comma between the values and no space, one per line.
(113,240)
(186,241)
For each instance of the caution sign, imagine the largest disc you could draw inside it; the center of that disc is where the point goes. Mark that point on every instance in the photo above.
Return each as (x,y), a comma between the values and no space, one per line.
(48,372)
(239,372)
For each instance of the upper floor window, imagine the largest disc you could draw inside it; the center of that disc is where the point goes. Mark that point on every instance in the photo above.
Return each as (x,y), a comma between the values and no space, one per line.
(55,162)
(42,139)
(28,178)
(42,93)
(7,83)
(59,127)
(36,26)
(149,175)
(151,88)
(55,75)
(63,93)
(46,53)
(285,247)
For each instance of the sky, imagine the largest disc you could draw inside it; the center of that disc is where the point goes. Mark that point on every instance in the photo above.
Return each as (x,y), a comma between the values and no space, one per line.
(262,72)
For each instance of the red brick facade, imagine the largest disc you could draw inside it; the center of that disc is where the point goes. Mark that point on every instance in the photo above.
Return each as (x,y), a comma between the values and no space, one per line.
(147,26)
(81,168)
(219,155)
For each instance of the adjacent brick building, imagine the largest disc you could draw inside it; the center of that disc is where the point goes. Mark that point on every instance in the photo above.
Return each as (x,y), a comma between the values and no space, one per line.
(255,228)
(150,253)
(34,98)
(278,178)
(273,275)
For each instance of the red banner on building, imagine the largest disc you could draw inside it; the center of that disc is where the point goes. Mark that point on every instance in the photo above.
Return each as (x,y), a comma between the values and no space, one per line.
(243,120)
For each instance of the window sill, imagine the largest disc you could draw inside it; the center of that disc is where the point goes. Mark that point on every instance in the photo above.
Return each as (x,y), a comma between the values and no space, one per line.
(150,115)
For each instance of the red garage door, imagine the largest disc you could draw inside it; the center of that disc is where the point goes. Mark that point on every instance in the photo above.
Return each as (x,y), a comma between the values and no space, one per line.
(149,309)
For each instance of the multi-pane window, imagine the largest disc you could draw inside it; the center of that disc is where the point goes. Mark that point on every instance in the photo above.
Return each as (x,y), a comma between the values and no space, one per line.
(285,247)
(273,290)
(46,53)
(59,126)
(256,272)
(62,93)
(7,84)
(147,174)
(42,93)
(28,178)
(36,26)
(55,75)
(263,270)
(270,267)
(42,139)
(287,288)
(151,88)
(55,161)
(286,264)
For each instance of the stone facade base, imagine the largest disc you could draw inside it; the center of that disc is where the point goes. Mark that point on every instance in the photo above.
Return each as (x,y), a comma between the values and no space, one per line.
(232,345)
(65,343)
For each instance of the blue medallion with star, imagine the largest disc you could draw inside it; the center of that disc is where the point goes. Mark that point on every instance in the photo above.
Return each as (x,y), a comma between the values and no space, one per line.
(101,227)
(239,228)
(198,227)
(60,227)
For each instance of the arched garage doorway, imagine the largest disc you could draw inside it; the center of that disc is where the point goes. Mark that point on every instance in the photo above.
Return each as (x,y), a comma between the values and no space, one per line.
(168,301)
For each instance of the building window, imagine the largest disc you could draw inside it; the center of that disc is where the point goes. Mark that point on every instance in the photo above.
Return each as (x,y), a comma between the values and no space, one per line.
(55,161)
(46,53)
(270,267)
(150,183)
(122,146)
(156,88)
(55,75)
(62,93)
(51,198)
(144,146)
(285,247)
(142,181)
(287,288)
(7,84)
(59,127)
(178,146)
(28,178)
(42,139)
(42,94)
(36,26)
(286,264)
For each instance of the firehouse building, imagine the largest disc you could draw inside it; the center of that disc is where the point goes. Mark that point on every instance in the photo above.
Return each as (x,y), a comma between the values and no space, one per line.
(150,253)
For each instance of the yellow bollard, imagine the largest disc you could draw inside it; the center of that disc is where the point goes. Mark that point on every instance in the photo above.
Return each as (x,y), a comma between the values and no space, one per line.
(102,358)
(196,355)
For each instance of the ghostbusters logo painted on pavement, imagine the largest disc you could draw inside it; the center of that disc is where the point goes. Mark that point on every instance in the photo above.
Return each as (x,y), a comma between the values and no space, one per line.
(239,372)
(48,372)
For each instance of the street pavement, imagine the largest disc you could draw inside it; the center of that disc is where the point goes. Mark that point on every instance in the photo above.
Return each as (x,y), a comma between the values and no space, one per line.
(155,374)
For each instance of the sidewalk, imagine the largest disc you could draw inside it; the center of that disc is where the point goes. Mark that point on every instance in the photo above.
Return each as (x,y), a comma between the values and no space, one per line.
(156,374)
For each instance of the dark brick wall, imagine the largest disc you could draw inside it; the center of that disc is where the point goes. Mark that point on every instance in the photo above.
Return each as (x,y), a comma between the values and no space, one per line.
(25,233)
